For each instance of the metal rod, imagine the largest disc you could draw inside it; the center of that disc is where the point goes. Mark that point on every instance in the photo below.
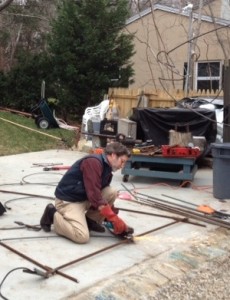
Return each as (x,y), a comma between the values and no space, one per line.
(161,216)
(190,214)
(46,268)
(192,204)
(147,204)
(113,246)
(158,228)
(26,194)
(30,237)
(168,202)
(155,199)
(93,253)
(129,191)
(31,129)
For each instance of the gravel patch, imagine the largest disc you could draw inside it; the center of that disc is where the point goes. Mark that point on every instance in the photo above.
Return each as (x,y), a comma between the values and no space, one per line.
(210,282)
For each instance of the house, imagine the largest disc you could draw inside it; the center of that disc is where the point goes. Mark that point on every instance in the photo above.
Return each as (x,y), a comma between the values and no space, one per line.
(180,48)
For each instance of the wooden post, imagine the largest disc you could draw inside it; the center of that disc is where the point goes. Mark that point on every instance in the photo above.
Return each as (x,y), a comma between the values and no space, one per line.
(226,126)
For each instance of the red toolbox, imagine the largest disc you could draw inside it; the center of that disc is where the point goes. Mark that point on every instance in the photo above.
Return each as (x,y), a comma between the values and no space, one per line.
(175,151)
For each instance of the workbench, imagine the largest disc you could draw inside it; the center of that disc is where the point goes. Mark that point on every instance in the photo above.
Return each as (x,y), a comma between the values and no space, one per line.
(158,166)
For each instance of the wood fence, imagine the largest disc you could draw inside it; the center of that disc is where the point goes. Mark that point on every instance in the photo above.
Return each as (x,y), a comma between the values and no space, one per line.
(127,99)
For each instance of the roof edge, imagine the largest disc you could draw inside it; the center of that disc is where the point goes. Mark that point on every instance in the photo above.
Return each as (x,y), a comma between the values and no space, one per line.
(175,11)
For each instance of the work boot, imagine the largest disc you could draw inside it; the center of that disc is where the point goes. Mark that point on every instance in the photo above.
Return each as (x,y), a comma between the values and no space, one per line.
(48,217)
(94,226)
(2,209)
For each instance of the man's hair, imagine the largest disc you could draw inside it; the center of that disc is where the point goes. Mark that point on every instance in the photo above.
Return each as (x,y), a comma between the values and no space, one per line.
(117,148)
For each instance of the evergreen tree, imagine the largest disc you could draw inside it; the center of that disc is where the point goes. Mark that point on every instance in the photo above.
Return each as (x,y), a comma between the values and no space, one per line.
(90,51)
(26,78)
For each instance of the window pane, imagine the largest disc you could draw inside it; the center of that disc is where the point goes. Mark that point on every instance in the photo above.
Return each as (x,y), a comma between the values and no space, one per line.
(208,85)
(208,69)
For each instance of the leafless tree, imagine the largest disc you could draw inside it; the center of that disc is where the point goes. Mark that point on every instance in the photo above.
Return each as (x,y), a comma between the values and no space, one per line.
(4,4)
(23,25)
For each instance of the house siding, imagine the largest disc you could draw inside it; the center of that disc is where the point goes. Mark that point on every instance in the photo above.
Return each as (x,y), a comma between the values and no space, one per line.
(155,43)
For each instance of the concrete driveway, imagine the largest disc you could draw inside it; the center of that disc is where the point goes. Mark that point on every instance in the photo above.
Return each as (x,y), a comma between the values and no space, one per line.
(100,269)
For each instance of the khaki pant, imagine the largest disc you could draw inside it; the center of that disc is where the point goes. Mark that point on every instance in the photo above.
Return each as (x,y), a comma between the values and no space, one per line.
(70,221)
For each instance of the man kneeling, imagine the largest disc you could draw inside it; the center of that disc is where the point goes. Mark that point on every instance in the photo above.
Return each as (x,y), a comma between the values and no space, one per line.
(84,197)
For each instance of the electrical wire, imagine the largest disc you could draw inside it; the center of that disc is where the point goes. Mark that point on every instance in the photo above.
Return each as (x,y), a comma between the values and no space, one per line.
(24,181)
(38,183)
(14,199)
(11,271)
(184,184)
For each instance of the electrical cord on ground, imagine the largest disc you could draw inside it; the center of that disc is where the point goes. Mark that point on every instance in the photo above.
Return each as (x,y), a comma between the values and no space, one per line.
(16,199)
(10,184)
(135,189)
(23,181)
(11,271)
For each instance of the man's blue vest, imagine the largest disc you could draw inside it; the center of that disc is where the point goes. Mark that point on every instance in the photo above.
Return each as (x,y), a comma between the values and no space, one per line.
(71,187)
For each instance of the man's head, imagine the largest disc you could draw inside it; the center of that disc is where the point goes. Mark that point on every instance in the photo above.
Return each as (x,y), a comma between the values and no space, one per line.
(117,155)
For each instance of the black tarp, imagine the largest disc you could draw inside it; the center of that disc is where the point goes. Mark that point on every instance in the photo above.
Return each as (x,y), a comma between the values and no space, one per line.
(154,124)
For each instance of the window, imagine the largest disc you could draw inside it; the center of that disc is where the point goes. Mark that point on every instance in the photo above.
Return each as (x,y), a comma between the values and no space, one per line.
(208,75)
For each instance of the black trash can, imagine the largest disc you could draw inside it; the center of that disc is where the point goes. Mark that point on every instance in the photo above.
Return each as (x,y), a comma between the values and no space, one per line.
(221,170)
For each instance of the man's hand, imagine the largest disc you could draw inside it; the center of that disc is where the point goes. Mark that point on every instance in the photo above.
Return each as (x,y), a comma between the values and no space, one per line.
(119,225)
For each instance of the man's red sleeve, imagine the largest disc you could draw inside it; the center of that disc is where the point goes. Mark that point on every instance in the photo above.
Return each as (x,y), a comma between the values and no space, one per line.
(92,172)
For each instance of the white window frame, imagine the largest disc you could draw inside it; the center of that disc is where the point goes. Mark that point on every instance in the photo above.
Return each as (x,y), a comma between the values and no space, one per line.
(200,78)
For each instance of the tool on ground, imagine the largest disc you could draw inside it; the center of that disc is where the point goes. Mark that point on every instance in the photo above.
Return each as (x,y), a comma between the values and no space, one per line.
(34,227)
(126,235)
(46,164)
(57,168)
(38,272)
(118,224)
(204,209)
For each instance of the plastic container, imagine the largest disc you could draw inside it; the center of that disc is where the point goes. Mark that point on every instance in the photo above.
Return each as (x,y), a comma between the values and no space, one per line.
(221,170)
(170,151)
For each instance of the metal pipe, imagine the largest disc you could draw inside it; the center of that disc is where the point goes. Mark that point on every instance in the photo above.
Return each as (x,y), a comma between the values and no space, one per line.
(31,129)
(113,246)
(188,213)
(192,204)
(168,202)
(134,196)
(30,237)
(161,216)
(189,53)
(26,194)
(147,204)
(49,271)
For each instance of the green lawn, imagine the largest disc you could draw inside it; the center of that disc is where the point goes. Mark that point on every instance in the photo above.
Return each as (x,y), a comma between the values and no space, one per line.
(15,139)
